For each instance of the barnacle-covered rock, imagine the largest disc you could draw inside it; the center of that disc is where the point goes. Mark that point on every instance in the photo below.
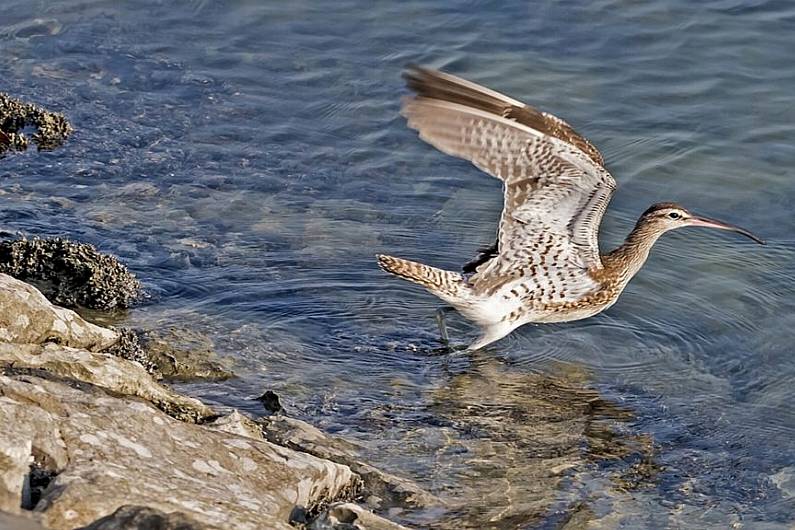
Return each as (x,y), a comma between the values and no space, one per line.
(69,273)
(52,128)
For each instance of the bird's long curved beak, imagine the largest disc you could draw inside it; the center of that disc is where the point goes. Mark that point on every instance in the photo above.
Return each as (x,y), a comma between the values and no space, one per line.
(697,220)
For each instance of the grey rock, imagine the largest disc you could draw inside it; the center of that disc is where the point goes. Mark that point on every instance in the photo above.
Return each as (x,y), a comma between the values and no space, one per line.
(69,273)
(105,371)
(109,451)
(26,316)
(236,423)
(86,434)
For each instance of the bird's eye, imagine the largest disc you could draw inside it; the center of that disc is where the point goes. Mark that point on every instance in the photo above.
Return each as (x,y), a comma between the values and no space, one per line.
(674,215)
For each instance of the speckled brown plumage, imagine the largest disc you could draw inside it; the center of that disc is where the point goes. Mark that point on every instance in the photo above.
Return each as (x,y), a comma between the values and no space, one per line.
(546,265)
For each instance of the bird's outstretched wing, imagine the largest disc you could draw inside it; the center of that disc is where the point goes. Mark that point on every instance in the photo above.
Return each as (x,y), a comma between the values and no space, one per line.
(555,184)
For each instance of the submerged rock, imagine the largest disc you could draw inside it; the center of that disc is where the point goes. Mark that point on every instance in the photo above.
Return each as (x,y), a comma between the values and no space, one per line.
(384,490)
(513,439)
(52,129)
(181,355)
(70,274)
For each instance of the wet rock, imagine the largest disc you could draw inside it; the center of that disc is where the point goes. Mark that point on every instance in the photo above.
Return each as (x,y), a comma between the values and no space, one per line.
(52,128)
(27,317)
(349,516)
(129,347)
(145,518)
(109,451)
(169,354)
(70,274)
(270,400)
(384,490)
(181,355)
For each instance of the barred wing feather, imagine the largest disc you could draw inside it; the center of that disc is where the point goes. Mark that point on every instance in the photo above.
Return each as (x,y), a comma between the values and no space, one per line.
(555,194)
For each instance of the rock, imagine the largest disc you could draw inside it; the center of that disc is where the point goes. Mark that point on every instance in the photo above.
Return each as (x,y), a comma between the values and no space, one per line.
(270,400)
(109,451)
(52,128)
(145,518)
(168,355)
(92,440)
(386,489)
(129,347)
(389,490)
(182,355)
(47,337)
(70,274)
(18,522)
(236,423)
(15,451)
(349,516)
(105,371)
(27,317)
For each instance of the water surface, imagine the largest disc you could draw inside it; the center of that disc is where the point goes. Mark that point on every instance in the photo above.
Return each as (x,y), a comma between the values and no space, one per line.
(247,160)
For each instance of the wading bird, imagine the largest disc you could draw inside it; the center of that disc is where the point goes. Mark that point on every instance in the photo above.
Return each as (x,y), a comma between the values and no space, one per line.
(545,265)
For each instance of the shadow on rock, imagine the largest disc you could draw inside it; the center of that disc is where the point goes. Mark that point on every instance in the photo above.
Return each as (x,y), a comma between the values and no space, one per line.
(145,518)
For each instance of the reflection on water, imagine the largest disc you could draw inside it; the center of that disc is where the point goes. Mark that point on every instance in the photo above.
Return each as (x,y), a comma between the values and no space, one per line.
(509,440)
(249,177)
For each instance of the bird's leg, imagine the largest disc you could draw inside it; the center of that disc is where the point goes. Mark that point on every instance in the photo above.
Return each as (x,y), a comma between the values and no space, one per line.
(442,326)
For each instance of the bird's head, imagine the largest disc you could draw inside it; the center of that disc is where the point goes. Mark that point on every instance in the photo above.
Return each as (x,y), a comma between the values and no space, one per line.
(665,216)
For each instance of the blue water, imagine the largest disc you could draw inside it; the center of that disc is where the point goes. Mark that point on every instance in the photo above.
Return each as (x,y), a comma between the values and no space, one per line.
(247,160)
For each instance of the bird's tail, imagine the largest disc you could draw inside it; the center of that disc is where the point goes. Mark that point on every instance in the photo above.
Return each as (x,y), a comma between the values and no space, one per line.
(447,285)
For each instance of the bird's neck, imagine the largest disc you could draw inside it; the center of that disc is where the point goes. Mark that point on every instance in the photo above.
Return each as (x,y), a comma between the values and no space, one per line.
(625,261)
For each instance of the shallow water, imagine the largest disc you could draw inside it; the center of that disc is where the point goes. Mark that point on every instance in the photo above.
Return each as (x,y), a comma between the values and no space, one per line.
(247,160)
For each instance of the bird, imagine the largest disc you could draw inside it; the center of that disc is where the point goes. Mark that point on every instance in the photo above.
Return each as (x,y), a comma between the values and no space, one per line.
(545,265)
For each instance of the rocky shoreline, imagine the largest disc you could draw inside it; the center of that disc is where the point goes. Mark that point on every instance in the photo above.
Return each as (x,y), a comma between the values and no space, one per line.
(93,440)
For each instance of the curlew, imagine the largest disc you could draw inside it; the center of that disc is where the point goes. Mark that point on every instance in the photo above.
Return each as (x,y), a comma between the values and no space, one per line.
(545,265)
